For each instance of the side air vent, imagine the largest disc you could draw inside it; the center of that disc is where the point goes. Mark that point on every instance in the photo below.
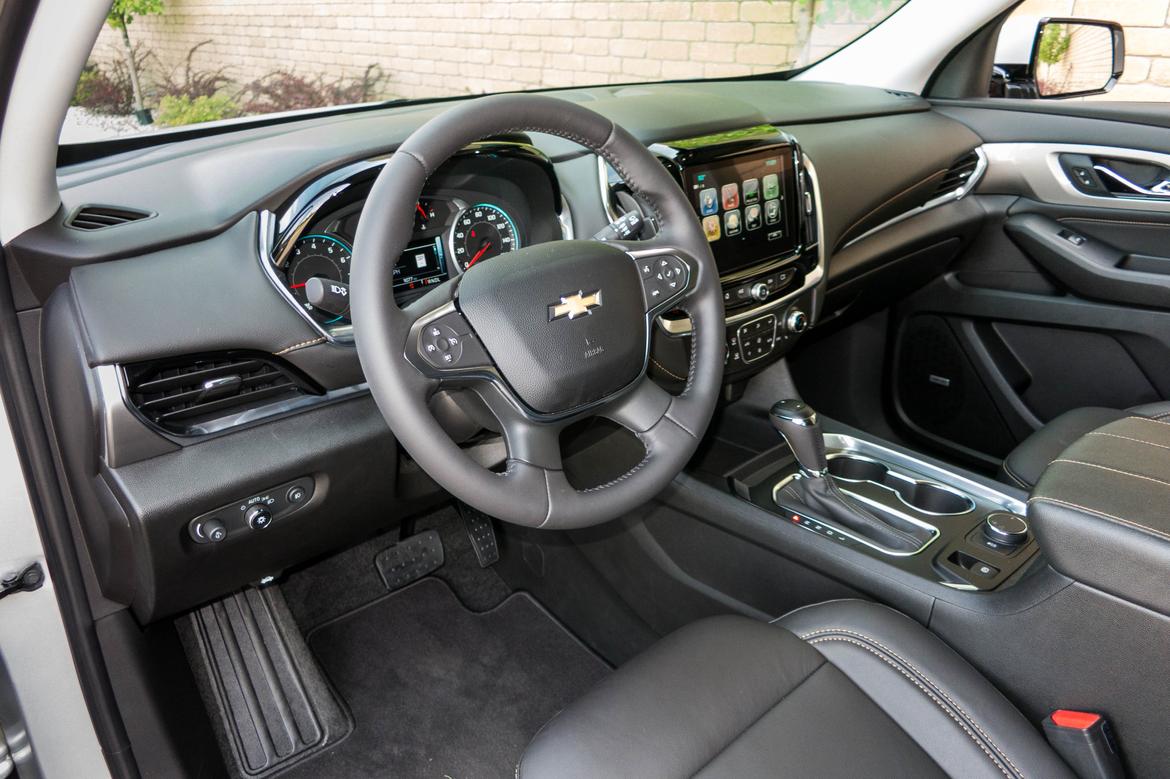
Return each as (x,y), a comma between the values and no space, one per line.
(959,174)
(101,217)
(180,395)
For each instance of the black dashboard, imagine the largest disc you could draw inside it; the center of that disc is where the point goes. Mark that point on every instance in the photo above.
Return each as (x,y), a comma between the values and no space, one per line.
(130,323)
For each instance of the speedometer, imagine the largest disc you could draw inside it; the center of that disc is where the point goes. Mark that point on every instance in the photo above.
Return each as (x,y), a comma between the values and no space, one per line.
(481,232)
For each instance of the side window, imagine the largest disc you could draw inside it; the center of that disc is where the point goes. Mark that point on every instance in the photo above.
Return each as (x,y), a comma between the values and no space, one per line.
(1076,60)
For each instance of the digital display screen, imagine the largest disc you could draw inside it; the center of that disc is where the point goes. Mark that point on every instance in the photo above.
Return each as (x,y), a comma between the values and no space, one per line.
(745,207)
(420,266)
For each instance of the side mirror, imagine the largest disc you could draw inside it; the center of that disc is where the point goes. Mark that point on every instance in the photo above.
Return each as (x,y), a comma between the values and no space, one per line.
(1076,57)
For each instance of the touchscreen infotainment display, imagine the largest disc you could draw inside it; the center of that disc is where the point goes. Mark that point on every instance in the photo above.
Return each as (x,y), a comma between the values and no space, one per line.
(744,205)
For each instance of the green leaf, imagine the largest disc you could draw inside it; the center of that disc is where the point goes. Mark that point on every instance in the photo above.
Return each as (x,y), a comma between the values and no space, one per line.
(122,12)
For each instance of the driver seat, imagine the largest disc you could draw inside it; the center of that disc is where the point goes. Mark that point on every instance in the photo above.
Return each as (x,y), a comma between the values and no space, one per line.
(845,688)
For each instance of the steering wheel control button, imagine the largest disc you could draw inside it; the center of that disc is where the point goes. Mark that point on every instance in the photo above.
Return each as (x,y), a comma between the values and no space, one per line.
(258,517)
(252,512)
(756,338)
(663,278)
(1005,530)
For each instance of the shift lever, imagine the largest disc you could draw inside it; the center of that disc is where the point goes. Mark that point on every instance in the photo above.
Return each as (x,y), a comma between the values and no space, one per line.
(797,422)
(817,491)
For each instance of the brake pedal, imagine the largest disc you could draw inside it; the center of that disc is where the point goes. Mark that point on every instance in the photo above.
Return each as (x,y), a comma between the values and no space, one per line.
(483,535)
(410,559)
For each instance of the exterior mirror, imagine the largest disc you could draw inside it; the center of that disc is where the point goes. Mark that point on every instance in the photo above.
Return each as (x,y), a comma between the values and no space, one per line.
(1075,57)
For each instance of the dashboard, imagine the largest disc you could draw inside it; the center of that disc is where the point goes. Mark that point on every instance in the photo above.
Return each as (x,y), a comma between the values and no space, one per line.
(194,361)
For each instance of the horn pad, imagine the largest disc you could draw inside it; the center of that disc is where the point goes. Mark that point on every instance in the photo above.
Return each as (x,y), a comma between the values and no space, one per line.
(564,322)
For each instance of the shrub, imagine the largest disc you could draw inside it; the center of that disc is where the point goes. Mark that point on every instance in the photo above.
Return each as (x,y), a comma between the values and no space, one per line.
(284,90)
(174,111)
(99,92)
(190,81)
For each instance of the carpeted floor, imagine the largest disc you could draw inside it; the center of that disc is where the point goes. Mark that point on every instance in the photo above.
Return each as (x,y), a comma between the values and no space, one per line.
(436,690)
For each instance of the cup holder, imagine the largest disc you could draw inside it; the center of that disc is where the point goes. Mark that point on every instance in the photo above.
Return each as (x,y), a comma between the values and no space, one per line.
(925,496)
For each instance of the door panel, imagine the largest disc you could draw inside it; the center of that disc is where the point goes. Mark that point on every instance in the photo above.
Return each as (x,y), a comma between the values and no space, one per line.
(1062,301)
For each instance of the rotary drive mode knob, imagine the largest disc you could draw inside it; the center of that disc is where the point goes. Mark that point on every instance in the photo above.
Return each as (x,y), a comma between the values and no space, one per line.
(796,321)
(1006,529)
(759,291)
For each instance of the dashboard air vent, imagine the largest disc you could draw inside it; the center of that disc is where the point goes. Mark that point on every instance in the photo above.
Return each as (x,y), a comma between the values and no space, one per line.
(101,217)
(959,174)
(180,394)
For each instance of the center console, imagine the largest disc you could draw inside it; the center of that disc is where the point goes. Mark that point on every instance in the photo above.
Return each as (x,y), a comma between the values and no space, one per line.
(912,514)
(755,193)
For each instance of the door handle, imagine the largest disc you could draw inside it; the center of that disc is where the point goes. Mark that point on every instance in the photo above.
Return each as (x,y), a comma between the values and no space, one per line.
(1159,190)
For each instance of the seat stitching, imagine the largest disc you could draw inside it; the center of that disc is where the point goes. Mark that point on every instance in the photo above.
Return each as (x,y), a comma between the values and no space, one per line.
(1127,522)
(1113,470)
(1140,418)
(995,761)
(1130,438)
(919,672)
(1007,469)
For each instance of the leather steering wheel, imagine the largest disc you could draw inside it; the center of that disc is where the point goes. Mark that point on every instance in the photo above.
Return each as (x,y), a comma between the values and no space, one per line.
(546,335)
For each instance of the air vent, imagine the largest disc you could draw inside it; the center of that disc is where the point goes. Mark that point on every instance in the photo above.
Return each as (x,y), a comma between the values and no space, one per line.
(101,217)
(959,174)
(181,394)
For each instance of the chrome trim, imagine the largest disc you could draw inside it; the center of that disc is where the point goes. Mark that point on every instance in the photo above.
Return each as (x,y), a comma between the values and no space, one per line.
(935,533)
(565,217)
(1034,170)
(343,334)
(606,199)
(950,197)
(971,505)
(277,408)
(1159,190)
(681,327)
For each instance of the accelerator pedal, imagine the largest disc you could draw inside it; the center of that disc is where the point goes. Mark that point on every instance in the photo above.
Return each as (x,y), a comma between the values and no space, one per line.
(482,533)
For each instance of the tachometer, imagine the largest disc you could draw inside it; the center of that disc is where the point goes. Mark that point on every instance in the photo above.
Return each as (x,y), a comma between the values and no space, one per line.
(482,232)
(321,256)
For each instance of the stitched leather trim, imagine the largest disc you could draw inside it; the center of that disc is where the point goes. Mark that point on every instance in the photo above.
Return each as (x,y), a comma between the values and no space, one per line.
(1103,515)
(1130,438)
(1007,470)
(925,684)
(1118,471)
(301,345)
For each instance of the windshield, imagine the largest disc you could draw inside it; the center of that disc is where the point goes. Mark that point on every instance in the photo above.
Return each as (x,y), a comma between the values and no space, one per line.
(161,64)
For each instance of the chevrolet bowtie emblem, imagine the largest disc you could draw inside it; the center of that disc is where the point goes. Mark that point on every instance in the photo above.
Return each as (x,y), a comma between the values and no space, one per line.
(575,305)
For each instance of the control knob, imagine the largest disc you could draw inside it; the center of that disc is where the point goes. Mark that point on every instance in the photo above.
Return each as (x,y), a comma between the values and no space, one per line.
(759,291)
(208,531)
(796,321)
(1004,528)
(258,517)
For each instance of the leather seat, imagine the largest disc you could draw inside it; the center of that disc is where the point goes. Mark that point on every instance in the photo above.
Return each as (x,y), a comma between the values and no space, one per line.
(1023,466)
(845,688)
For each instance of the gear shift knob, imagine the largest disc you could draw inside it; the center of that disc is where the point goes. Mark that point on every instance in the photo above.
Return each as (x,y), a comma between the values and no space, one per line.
(797,422)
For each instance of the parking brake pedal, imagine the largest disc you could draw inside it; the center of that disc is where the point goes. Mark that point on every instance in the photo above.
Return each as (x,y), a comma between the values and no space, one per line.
(410,559)
(483,535)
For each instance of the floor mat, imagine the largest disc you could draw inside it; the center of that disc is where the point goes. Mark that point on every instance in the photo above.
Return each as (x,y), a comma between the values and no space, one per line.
(436,690)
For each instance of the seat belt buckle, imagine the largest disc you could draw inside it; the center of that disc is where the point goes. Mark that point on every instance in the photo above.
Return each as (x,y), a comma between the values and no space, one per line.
(1085,741)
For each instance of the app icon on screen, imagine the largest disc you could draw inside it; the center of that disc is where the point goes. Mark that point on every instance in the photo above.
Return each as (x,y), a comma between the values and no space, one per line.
(771,186)
(751,216)
(751,191)
(730,196)
(731,222)
(708,201)
(772,211)
(711,227)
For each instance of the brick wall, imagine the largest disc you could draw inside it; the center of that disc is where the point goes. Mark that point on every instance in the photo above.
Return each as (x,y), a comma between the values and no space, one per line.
(473,46)
(1147,41)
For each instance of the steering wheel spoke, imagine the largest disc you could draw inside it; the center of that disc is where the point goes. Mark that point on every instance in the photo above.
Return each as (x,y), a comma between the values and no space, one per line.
(666,272)
(531,441)
(442,345)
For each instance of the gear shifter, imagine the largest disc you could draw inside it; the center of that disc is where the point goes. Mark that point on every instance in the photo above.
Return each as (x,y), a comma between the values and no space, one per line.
(817,491)
(797,422)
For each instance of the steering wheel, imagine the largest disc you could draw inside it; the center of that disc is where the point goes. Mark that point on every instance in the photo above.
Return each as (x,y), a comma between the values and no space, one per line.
(546,335)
